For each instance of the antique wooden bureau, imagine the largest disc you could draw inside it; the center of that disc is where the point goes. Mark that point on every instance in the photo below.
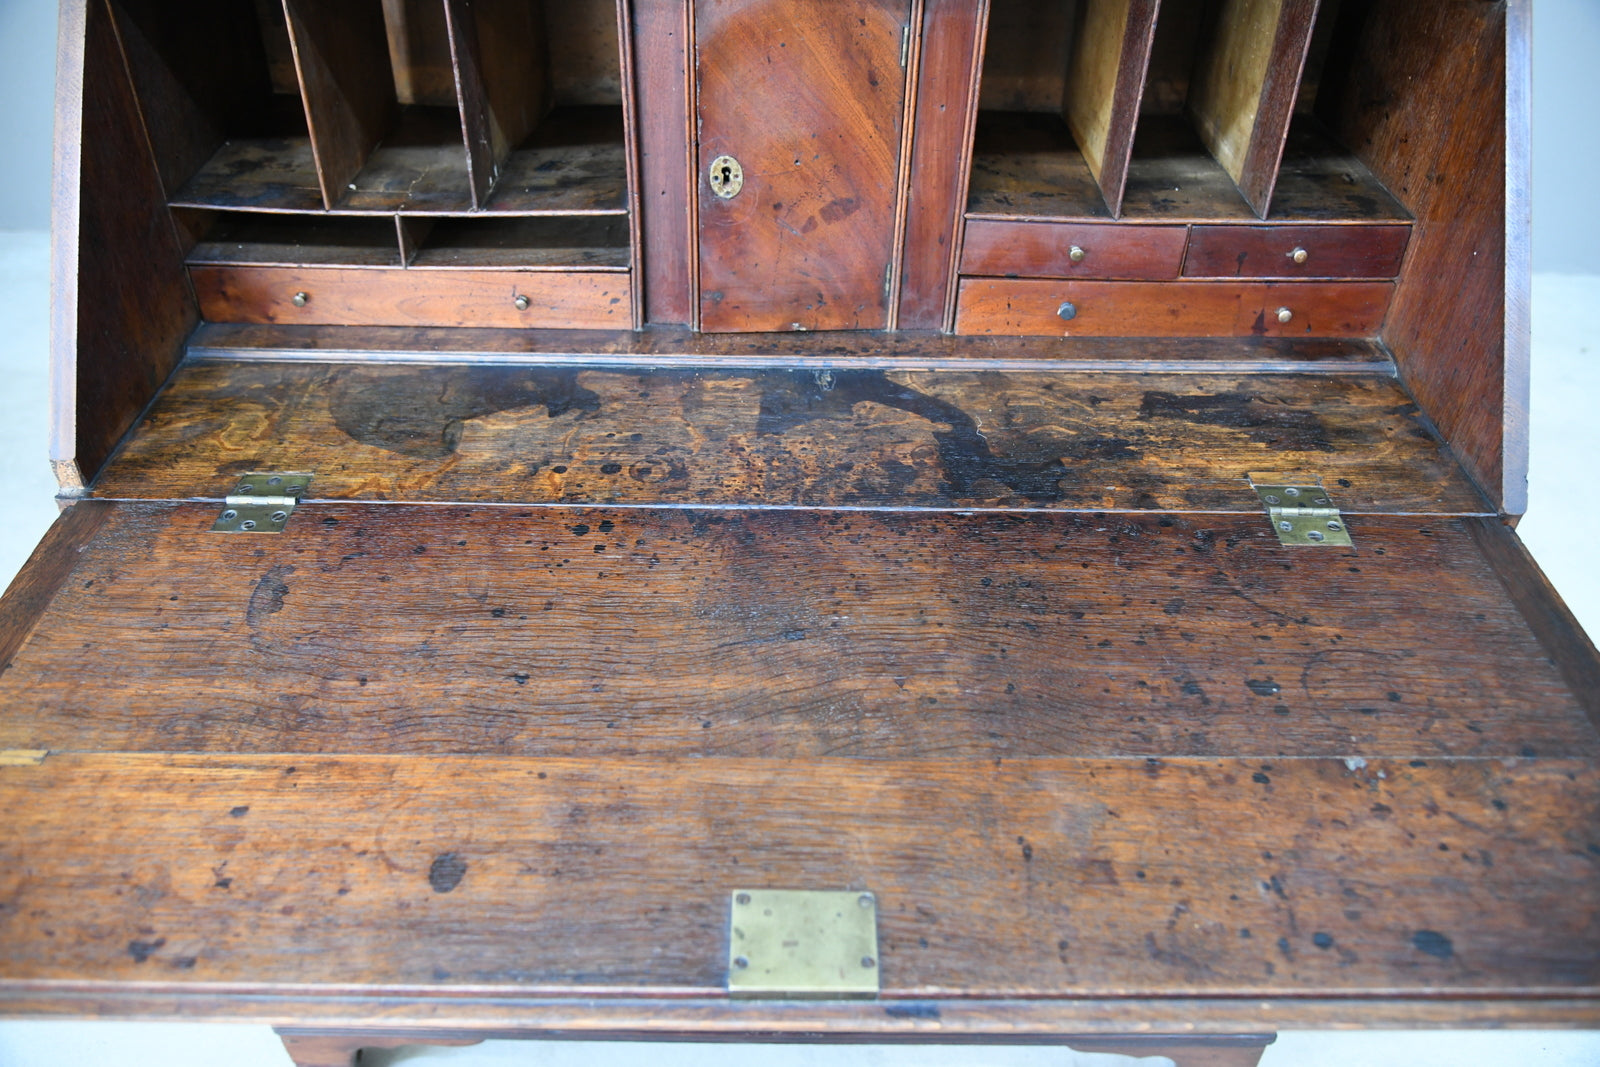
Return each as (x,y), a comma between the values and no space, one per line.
(540,478)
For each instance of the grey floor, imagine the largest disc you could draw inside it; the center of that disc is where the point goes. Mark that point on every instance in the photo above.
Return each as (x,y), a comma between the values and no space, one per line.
(1560,527)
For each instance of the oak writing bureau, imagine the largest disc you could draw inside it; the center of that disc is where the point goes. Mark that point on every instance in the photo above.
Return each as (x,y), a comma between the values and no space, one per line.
(904,520)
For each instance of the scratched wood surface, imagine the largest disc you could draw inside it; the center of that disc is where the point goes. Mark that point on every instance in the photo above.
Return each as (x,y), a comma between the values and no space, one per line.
(733,436)
(785,634)
(1425,879)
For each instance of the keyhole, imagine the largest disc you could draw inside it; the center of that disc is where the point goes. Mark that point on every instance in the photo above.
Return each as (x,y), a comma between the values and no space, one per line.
(727,174)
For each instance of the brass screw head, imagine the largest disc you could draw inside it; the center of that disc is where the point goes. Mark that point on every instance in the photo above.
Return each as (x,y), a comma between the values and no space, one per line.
(1284,314)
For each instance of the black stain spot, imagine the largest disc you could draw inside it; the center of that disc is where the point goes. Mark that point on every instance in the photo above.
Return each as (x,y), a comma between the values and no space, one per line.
(1173,607)
(239,812)
(912,1011)
(1263,687)
(1322,940)
(520,677)
(794,635)
(1260,778)
(610,468)
(184,963)
(143,950)
(267,597)
(1027,850)
(1264,422)
(1433,943)
(1283,947)
(446,872)
(581,528)
(789,400)
(606,526)
(414,414)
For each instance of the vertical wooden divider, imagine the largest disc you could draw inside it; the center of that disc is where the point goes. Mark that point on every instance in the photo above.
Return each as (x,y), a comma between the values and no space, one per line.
(661,36)
(410,232)
(1244,89)
(419,49)
(341,57)
(1105,83)
(500,59)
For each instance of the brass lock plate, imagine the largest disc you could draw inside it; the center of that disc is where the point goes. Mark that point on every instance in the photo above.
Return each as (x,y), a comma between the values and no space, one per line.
(807,944)
(726,177)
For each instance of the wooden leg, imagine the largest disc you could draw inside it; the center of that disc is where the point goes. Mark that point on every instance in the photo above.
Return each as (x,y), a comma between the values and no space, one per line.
(338,1048)
(1222,1050)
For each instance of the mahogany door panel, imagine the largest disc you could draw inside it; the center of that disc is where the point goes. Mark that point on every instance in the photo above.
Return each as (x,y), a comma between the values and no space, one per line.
(808,96)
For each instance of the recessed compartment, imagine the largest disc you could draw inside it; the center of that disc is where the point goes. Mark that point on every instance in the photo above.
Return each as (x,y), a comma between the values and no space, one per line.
(268,240)
(592,242)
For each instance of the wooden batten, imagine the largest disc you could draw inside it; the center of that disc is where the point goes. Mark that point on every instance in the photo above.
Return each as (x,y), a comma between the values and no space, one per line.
(1244,90)
(1110,57)
(499,56)
(346,83)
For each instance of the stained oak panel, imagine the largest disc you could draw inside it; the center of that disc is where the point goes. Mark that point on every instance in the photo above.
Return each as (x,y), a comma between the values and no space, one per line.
(812,109)
(843,438)
(1040,878)
(1270,251)
(590,632)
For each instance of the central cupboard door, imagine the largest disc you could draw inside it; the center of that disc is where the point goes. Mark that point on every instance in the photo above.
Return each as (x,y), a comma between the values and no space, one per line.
(808,96)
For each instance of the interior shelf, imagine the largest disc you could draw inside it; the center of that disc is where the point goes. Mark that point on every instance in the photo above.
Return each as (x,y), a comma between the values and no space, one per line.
(267,240)
(1026,165)
(598,242)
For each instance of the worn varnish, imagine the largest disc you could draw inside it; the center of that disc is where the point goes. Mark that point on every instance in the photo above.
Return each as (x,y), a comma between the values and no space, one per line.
(1051,878)
(784,634)
(836,438)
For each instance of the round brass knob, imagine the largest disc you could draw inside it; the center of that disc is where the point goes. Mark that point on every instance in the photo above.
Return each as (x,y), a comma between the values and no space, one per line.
(1068,310)
(1284,314)
(1076,254)
(300,300)
(521,302)
(1299,255)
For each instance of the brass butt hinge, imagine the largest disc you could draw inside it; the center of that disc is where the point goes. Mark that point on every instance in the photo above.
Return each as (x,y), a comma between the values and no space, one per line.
(1303,515)
(803,944)
(262,502)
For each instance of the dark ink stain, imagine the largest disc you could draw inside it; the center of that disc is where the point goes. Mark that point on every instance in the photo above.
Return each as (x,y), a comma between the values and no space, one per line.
(1194,689)
(791,400)
(606,526)
(1262,687)
(580,529)
(1279,428)
(1173,607)
(240,812)
(1322,940)
(1260,778)
(267,597)
(1027,850)
(520,678)
(184,963)
(839,210)
(1283,947)
(912,1011)
(1433,943)
(143,950)
(610,468)
(412,415)
(446,872)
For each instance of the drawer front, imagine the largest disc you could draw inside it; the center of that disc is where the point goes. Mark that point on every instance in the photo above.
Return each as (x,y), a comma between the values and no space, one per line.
(1170,309)
(1295,251)
(1045,250)
(415,297)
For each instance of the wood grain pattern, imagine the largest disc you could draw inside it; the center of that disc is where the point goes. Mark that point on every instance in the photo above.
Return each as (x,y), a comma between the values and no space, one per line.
(418,296)
(946,108)
(419,52)
(123,307)
(342,60)
(813,111)
(1111,53)
(756,437)
(48,566)
(1443,153)
(1267,251)
(594,633)
(612,877)
(665,347)
(1026,166)
(666,160)
(1044,250)
(1171,309)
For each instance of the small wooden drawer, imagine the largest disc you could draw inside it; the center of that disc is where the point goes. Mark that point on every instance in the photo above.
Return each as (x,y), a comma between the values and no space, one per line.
(1046,250)
(1364,251)
(415,297)
(1170,309)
